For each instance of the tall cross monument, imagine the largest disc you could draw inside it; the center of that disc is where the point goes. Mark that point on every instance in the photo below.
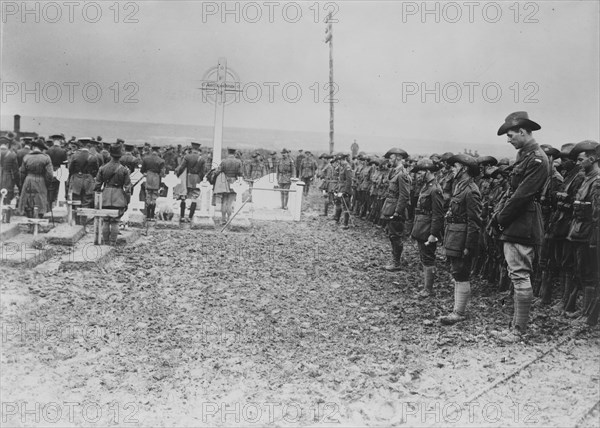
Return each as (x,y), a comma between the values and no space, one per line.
(215,83)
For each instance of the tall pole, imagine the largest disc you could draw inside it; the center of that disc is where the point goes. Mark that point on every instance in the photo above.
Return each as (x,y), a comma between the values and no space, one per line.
(329,39)
(219,112)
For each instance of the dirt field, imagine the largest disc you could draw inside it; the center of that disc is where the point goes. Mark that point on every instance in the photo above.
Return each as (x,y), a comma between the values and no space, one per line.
(285,325)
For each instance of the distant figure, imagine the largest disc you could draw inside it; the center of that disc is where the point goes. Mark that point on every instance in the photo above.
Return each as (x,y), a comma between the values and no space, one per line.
(10,169)
(154,168)
(298,162)
(354,149)
(114,182)
(37,173)
(285,171)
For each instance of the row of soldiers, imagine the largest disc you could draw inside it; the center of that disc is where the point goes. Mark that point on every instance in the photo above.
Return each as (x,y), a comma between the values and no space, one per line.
(85,156)
(524,226)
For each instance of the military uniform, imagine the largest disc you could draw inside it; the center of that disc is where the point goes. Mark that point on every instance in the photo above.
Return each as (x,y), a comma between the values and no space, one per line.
(519,217)
(154,168)
(114,181)
(83,167)
(344,192)
(395,210)
(308,169)
(195,166)
(36,172)
(286,169)
(58,156)
(428,224)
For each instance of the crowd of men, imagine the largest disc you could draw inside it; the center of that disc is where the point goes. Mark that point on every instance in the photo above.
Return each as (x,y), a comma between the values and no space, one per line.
(525,225)
(29,172)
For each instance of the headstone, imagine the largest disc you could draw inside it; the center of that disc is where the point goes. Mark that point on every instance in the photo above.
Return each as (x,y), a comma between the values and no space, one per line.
(135,211)
(171,180)
(241,188)
(62,175)
(98,214)
(205,208)
(181,188)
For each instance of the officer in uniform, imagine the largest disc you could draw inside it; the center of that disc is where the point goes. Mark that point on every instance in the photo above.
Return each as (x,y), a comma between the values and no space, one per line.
(229,171)
(83,167)
(429,220)
(196,168)
(395,207)
(153,166)
(308,169)
(36,173)
(518,218)
(285,171)
(461,236)
(582,233)
(114,182)
(343,190)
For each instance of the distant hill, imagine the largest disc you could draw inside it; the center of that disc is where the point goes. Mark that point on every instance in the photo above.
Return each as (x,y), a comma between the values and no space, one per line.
(241,138)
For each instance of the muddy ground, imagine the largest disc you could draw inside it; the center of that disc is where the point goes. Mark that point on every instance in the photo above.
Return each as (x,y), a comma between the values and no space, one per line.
(288,324)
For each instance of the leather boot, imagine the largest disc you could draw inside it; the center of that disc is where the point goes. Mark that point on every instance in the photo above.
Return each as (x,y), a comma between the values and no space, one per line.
(346,218)
(560,306)
(182,211)
(546,288)
(589,293)
(395,266)
(428,278)
(326,209)
(573,291)
(192,210)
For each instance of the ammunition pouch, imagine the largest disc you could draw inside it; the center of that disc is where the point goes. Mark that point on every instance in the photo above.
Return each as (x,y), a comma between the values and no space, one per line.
(582,211)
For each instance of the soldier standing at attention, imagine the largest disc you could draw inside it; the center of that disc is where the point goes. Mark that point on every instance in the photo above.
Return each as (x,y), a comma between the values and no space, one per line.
(518,218)
(429,220)
(583,230)
(115,184)
(395,206)
(344,190)
(154,168)
(196,168)
(285,171)
(308,169)
(229,171)
(461,237)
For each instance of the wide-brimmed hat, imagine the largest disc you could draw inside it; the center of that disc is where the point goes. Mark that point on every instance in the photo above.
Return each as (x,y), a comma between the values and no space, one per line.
(425,164)
(128,147)
(195,145)
(155,147)
(565,150)
(583,146)
(550,151)
(395,151)
(341,155)
(285,151)
(40,144)
(518,119)
(487,160)
(467,160)
(115,151)
(57,137)
(446,156)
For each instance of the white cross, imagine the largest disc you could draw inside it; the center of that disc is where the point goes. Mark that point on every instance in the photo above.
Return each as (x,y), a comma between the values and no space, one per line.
(171,180)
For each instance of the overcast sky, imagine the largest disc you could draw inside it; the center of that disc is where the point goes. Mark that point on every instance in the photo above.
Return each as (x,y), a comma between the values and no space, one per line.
(385,55)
